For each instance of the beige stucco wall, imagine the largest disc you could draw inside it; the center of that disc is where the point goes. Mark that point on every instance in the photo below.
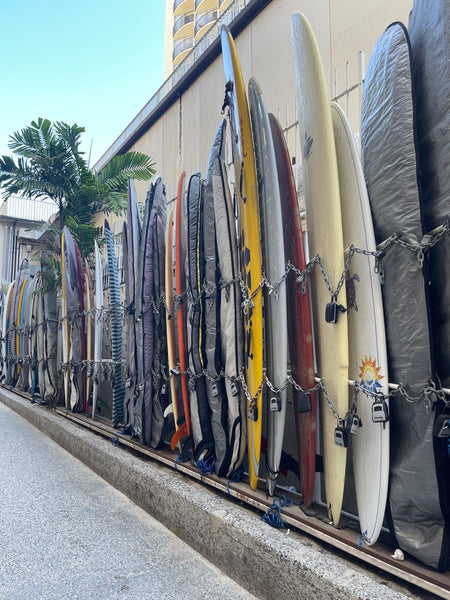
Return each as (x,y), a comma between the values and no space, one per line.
(182,137)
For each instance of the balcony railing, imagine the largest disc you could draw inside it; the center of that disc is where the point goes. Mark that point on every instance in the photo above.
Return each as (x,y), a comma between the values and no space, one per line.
(203,19)
(182,45)
(181,21)
(177,3)
(208,4)
(29,210)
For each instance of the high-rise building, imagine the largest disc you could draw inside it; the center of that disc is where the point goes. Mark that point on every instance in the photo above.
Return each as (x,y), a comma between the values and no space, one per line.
(187,21)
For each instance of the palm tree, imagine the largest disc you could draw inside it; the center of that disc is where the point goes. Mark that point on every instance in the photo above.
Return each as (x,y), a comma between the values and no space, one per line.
(51,165)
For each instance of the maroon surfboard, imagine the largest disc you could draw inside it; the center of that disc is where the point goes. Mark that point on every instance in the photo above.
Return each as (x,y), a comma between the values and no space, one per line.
(300,336)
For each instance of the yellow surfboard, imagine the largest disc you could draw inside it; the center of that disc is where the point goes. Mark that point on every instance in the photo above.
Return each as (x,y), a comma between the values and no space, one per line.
(325,238)
(18,320)
(250,245)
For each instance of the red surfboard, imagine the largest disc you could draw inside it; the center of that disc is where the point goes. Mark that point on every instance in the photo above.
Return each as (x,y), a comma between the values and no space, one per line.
(300,337)
(180,312)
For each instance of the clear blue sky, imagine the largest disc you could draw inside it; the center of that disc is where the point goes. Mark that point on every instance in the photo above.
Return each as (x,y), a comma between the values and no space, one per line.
(91,62)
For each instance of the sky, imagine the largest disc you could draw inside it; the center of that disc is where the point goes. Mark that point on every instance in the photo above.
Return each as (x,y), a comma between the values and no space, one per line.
(91,62)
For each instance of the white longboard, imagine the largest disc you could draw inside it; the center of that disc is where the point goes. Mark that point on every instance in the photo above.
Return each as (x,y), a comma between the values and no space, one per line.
(366,331)
(325,238)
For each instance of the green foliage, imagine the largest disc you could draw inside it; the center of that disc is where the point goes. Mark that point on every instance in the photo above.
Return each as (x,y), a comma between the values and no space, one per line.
(51,165)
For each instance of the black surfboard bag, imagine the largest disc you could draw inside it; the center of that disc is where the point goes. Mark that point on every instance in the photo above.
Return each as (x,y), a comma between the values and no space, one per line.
(390,167)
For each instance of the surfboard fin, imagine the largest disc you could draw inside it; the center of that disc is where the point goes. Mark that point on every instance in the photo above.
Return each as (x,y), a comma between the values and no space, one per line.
(179,434)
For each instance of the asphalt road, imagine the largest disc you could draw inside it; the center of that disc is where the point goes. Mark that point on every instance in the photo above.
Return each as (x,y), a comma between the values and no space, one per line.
(66,533)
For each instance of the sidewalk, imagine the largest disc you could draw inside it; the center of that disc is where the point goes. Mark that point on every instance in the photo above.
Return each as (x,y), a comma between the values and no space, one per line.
(66,533)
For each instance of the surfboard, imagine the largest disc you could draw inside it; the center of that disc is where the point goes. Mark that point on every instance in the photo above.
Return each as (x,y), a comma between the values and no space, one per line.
(5,318)
(300,337)
(388,130)
(250,245)
(65,371)
(22,345)
(325,238)
(98,327)
(9,332)
(180,285)
(230,320)
(34,370)
(19,330)
(275,317)
(366,330)
(22,274)
(28,332)
(118,409)
(170,329)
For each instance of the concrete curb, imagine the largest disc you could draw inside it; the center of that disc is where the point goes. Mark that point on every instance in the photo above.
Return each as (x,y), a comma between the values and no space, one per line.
(268,562)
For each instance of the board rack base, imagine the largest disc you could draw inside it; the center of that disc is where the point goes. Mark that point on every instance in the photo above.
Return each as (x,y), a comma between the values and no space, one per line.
(315,523)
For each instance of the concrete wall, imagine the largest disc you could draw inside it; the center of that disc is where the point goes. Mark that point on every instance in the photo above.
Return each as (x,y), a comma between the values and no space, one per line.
(182,137)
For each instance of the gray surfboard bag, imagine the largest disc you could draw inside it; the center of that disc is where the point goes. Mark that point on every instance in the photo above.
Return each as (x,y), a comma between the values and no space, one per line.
(73,309)
(429,32)
(225,347)
(390,168)
(200,410)
(162,427)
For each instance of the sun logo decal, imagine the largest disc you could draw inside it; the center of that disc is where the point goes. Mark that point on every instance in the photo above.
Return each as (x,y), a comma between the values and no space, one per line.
(369,375)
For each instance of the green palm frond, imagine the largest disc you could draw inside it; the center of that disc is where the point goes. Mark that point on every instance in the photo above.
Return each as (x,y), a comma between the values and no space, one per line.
(132,165)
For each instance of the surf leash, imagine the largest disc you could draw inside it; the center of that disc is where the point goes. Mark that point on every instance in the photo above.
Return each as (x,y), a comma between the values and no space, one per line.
(273,516)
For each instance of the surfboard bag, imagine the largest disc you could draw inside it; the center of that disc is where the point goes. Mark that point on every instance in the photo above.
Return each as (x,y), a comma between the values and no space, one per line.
(390,168)
(212,354)
(116,331)
(143,324)
(155,208)
(429,32)
(73,310)
(226,350)
(47,333)
(200,409)
(82,318)
(162,426)
(133,400)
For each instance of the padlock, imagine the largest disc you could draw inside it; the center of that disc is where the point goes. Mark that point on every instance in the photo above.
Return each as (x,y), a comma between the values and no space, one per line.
(340,437)
(275,403)
(214,390)
(352,422)
(304,403)
(252,412)
(331,312)
(380,411)
(234,388)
